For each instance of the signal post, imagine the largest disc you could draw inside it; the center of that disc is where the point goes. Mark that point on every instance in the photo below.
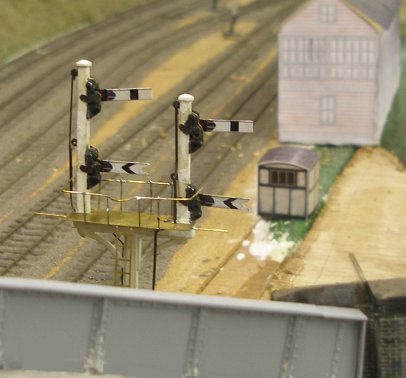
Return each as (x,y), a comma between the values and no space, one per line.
(183,169)
(83,203)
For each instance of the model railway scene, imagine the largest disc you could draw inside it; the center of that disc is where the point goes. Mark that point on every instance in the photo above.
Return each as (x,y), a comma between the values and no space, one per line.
(143,132)
(178,171)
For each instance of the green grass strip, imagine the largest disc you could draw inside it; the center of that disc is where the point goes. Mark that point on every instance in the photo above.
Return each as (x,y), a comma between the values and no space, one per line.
(27,24)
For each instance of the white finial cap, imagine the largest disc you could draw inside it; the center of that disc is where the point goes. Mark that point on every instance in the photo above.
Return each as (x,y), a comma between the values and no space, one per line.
(83,63)
(186,98)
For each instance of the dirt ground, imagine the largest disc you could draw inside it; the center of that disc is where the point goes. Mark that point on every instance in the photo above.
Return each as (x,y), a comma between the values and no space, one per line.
(205,264)
(362,221)
(362,224)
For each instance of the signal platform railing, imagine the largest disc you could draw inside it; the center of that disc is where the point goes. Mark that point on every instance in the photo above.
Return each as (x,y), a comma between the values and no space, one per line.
(118,206)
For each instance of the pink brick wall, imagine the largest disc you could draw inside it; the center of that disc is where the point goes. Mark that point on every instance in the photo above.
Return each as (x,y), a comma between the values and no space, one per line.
(299,113)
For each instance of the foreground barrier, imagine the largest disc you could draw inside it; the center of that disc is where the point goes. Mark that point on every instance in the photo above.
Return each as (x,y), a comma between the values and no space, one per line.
(54,326)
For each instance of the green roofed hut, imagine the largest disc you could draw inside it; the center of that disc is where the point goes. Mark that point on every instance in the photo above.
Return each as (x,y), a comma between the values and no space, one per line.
(288,183)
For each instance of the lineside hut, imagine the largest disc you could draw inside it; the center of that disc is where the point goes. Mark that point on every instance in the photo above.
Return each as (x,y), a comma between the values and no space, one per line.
(288,183)
(339,70)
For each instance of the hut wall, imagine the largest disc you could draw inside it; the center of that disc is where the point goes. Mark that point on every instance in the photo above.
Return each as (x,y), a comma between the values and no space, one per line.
(312,177)
(298,203)
(282,201)
(312,198)
(265,200)
(288,182)
(313,195)
(301,179)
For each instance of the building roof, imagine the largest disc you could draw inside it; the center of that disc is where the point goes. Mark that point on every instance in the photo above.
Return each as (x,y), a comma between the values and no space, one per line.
(378,13)
(381,12)
(298,156)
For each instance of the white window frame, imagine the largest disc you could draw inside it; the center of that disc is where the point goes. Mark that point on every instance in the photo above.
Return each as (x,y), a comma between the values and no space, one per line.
(328,58)
(327,13)
(328,110)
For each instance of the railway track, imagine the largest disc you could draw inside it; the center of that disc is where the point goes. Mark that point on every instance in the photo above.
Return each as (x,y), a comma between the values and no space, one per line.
(31,246)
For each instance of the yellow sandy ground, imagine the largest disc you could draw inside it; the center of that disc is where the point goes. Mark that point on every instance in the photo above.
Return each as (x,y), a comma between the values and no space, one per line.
(364,216)
(212,255)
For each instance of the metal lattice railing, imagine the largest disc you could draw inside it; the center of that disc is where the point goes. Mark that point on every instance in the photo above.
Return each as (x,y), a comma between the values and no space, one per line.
(107,206)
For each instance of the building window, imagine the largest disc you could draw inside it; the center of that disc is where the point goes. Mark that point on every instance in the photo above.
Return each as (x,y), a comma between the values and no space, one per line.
(325,58)
(277,177)
(328,110)
(283,178)
(328,13)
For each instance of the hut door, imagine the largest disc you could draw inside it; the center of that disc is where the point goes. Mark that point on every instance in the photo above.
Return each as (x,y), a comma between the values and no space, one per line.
(282,199)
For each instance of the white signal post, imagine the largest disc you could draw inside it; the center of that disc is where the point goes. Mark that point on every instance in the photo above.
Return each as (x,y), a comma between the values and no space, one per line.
(83,203)
(184,158)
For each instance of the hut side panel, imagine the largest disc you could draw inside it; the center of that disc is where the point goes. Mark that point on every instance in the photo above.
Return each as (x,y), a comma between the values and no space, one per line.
(298,203)
(266,204)
(282,201)
(313,191)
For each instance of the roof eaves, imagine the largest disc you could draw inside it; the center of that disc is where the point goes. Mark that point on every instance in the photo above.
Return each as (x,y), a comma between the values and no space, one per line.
(297,10)
(375,25)
(290,155)
(282,162)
